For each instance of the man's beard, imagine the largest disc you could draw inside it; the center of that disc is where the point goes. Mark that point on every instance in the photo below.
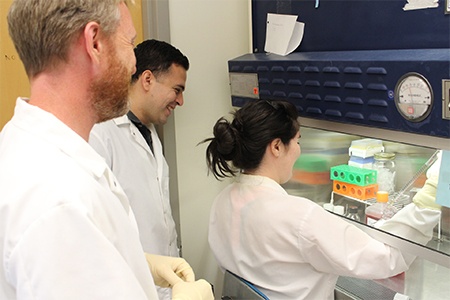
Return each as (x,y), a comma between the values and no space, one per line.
(110,91)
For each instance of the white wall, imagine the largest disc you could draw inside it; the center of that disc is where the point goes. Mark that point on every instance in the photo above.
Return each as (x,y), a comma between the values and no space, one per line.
(209,32)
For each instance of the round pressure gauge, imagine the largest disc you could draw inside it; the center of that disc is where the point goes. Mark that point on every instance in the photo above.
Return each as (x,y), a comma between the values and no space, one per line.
(413,97)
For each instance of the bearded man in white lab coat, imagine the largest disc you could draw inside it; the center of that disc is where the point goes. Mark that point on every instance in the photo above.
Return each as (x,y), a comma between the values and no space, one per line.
(132,149)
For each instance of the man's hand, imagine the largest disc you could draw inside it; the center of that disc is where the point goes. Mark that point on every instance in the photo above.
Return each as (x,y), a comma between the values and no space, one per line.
(198,290)
(168,271)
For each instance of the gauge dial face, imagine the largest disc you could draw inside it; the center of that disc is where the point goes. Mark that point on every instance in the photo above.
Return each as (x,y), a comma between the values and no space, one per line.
(413,97)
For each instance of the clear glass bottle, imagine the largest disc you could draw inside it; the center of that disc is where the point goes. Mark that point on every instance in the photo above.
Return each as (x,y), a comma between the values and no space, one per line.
(384,164)
(375,211)
(352,213)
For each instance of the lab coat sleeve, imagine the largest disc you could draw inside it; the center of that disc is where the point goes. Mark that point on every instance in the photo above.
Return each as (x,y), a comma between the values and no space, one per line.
(332,245)
(100,142)
(413,223)
(416,221)
(64,255)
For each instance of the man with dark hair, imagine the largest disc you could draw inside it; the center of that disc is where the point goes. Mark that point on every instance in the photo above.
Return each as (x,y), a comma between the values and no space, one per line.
(132,149)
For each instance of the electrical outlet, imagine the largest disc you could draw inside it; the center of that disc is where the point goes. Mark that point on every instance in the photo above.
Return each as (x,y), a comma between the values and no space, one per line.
(446,99)
(447,6)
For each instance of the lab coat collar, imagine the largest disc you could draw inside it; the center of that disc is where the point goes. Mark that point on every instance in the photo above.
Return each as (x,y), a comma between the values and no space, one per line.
(122,120)
(45,125)
(257,180)
(125,121)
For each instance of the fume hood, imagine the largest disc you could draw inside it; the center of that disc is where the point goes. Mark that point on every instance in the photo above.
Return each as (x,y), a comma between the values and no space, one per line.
(364,69)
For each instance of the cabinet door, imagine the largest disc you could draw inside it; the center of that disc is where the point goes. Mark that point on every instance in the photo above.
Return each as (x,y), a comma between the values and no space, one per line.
(13,79)
(136,15)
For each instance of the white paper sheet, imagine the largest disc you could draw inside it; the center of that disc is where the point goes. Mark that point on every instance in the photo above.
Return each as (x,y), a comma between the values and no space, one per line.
(420,4)
(284,34)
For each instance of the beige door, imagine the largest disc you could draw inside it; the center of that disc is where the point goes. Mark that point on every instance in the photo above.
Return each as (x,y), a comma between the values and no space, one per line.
(13,80)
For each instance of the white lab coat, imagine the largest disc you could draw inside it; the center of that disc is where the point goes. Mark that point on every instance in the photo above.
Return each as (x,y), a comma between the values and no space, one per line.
(66,229)
(290,247)
(144,178)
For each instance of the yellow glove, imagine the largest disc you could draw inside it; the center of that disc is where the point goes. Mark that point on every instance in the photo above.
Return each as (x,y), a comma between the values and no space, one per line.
(426,197)
(167,271)
(197,290)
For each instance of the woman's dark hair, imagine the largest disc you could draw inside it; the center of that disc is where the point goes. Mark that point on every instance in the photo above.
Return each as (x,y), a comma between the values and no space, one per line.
(241,143)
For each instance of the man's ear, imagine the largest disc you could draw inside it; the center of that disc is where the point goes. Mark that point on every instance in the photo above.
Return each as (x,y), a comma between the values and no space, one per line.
(146,78)
(95,45)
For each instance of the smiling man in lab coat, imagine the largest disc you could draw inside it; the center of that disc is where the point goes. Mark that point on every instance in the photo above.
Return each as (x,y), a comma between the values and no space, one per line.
(132,149)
